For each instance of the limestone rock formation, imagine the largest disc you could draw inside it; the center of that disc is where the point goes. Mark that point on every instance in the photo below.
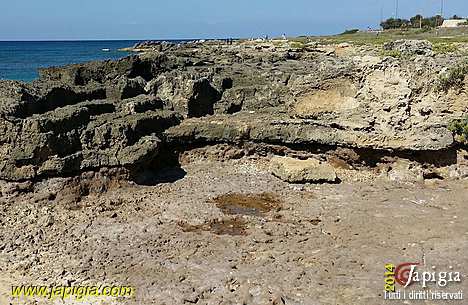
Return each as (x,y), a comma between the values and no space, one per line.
(124,113)
(301,171)
(410,47)
(404,171)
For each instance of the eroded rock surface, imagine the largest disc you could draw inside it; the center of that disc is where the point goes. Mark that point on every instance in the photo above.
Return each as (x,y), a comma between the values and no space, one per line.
(120,113)
(90,199)
(410,47)
(302,171)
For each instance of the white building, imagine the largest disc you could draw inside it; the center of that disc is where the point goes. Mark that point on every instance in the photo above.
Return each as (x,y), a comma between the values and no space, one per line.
(453,23)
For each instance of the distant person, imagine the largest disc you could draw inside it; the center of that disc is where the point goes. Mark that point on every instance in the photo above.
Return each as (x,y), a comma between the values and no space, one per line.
(284,36)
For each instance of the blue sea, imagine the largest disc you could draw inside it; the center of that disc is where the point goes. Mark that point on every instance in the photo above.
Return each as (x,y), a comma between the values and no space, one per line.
(20,60)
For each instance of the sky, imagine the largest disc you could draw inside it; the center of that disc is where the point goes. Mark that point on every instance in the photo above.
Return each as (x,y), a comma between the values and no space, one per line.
(190,19)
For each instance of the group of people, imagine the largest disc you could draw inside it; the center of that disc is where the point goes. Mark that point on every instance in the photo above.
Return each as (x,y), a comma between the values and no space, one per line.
(230,41)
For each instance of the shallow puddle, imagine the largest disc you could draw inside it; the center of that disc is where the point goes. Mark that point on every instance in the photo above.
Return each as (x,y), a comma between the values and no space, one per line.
(233,227)
(247,204)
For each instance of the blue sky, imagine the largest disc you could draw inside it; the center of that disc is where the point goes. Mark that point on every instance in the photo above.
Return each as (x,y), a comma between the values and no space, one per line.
(165,19)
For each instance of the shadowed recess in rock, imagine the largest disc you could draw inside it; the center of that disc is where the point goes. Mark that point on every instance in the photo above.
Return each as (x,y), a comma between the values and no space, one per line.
(165,175)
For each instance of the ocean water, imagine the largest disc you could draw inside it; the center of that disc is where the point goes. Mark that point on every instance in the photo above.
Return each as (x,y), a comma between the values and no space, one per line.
(20,60)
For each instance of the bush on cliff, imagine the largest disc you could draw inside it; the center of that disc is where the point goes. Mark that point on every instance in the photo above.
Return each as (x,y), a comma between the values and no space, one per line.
(454,78)
(459,128)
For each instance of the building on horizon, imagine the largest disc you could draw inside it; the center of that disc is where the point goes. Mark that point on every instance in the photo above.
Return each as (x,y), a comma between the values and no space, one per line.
(454,23)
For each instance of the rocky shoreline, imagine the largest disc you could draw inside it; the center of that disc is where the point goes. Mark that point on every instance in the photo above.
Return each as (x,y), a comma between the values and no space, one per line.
(252,173)
(319,98)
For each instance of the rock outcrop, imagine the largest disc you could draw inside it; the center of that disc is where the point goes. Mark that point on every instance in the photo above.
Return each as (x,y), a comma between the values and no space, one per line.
(302,171)
(81,117)
(410,47)
(123,113)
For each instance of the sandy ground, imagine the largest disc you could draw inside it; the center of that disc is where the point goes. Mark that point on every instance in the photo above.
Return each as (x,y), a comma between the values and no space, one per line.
(231,233)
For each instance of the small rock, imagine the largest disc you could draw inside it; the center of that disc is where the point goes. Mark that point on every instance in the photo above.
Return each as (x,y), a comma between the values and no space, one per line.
(405,171)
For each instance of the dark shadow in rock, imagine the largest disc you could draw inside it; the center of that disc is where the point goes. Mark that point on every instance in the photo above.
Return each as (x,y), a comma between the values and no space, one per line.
(155,177)
(203,99)
(432,175)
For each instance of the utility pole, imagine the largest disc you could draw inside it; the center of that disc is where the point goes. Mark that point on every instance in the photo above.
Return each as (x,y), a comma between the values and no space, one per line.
(396,9)
(441,12)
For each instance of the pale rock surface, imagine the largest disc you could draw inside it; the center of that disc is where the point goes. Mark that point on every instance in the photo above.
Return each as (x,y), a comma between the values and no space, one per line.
(302,171)
(406,171)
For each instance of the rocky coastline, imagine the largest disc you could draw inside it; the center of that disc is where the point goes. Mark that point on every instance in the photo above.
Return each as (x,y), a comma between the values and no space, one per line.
(320,99)
(252,172)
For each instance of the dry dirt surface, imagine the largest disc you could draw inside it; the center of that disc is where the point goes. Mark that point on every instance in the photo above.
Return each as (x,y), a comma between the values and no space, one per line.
(231,233)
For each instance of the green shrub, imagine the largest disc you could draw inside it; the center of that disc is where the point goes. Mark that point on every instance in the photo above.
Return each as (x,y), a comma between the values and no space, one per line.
(459,128)
(454,78)
(352,31)
(297,45)
(444,48)
(423,30)
(395,23)
(391,53)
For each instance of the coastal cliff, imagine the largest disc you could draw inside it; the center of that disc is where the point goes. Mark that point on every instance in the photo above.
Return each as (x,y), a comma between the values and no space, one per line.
(316,98)
(253,173)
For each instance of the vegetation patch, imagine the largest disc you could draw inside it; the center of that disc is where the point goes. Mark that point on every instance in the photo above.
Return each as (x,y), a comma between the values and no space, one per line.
(297,45)
(459,128)
(300,39)
(417,21)
(444,48)
(454,78)
(458,35)
(348,32)
(391,53)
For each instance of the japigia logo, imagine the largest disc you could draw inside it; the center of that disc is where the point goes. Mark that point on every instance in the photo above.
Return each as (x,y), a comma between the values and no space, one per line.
(407,274)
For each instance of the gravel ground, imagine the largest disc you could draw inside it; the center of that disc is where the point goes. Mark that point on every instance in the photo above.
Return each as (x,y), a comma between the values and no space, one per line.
(230,233)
